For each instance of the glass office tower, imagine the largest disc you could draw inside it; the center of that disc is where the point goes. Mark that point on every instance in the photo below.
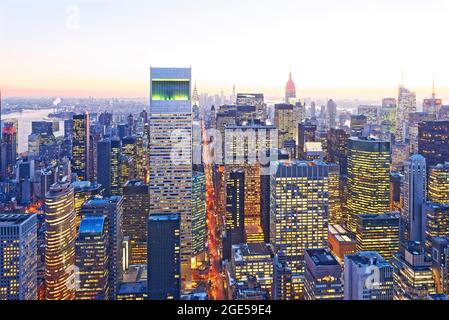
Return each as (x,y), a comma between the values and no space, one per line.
(368,178)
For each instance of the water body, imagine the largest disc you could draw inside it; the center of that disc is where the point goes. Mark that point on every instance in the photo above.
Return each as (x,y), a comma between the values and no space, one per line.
(24,121)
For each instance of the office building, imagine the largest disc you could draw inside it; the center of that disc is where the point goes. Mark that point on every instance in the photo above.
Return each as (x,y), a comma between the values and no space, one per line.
(285,122)
(199,228)
(378,232)
(92,256)
(358,123)
(437,221)
(18,256)
(433,141)
(337,148)
(253,260)
(81,146)
(323,276)
(112,209)
(406,104)
(335,209)
(413,278)
(163,272)
(438,187)
(170,184)
(306,133)
(413,218)
(108,166)
(136,199)
(331,114)
(299,213)
(368,178)
(368,276)
(60,236)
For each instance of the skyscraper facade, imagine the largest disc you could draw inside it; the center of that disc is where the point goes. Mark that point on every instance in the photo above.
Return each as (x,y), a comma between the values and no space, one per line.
(136,208)
(81,146)
(378,232)
(112,209)
(60,236)
(414,186)
(18,256)
(368,276)
(299,213)
(323,276)
(290,89)
(438,190)
(164,282)
(92,256)
(170,152)
(368,178)
(433,141)
(406,104)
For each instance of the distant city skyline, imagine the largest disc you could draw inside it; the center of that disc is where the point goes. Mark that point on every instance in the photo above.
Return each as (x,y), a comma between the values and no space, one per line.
(349,49)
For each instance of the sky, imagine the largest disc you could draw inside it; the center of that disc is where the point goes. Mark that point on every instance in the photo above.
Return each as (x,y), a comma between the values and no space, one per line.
(104,48)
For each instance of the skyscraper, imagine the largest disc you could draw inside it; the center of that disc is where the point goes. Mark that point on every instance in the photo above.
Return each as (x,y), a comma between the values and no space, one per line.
(378,232)
(406,104)
(335,208)
(306,133)
(199,232)
(81,146)
(285,122)
(413,218)
(60,236)
(136,200)
(438,189)
(433,141)
(337,148)
(413,278)
(299,213)
(256,100)
(437,216)
(368,276)
(358,123)
(323,276)
(108,163)
(290,89)
(253,260)
(164,268)
(415,118)
(331,114)
(18,256)
(92,256)
(112,209)
(170,152)
(368,178)
(247,148)
(235,209)
(8,150)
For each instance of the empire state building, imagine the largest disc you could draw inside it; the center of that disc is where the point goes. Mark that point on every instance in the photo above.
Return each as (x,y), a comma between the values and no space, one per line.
(290,90)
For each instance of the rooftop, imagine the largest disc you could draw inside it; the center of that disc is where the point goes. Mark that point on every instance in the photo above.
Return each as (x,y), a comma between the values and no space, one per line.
(10,219)
(321,257)
(250,249)
(92,225)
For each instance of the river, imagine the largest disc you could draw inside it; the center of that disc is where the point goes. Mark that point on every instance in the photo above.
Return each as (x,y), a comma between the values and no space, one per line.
(24,121)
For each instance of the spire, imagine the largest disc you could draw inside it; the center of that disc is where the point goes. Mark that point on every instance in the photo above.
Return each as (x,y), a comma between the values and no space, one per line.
(195,97)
